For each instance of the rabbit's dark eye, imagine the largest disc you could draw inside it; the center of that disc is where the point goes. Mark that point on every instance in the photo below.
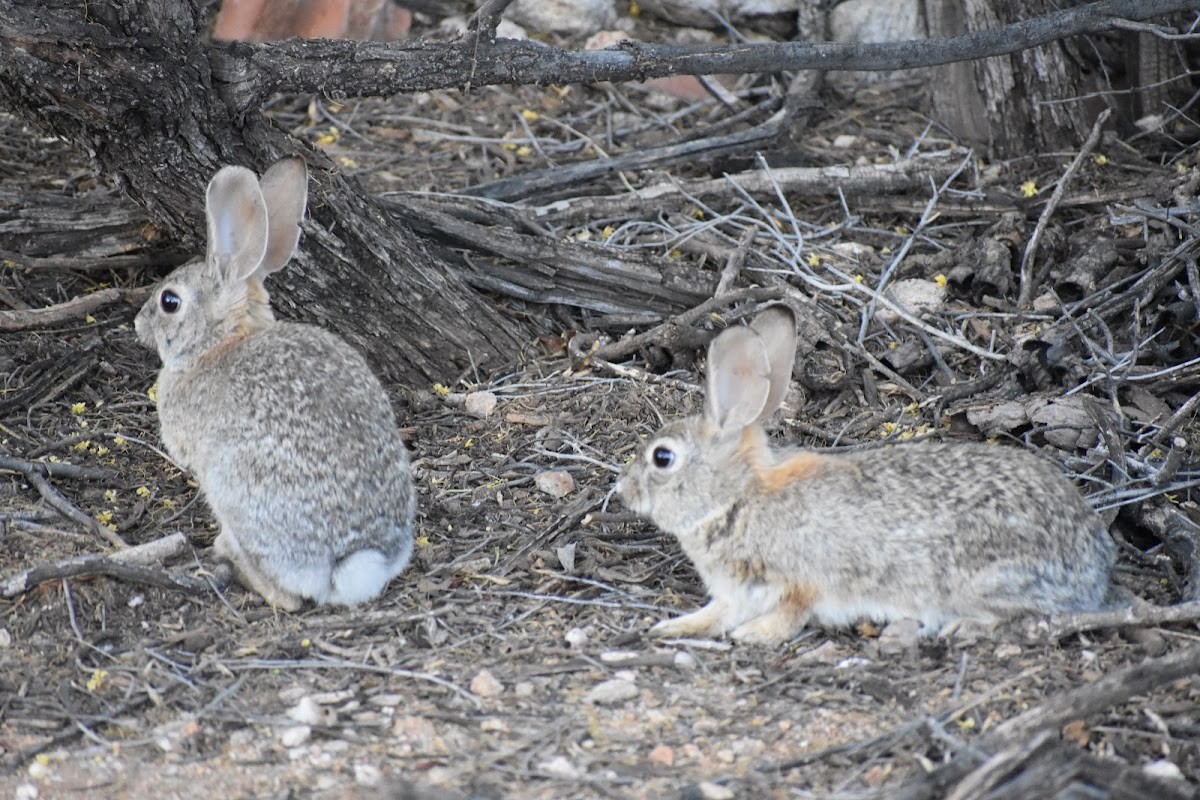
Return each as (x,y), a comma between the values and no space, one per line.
(169,302)
(662,457)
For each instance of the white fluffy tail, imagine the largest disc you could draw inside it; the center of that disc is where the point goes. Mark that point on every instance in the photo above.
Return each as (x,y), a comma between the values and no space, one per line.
(362,576)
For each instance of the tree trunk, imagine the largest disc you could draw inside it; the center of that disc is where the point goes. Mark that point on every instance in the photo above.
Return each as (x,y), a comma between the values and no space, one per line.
(1016,104)
(131,83)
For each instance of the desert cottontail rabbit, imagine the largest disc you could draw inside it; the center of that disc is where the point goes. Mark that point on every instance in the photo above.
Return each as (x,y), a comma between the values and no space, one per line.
(939,533)
(285,428)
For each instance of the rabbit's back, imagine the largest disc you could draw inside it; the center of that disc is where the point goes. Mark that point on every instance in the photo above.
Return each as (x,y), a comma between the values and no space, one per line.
(978,526)
(289,432)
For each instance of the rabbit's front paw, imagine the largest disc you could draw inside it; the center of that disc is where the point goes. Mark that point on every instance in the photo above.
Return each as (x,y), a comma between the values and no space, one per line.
(705,622)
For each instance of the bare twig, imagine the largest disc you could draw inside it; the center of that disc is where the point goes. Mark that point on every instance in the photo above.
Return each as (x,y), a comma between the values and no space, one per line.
(1027,275)
(76,307)
(55,469)
(1132,617)
(669,330)
(253,72)
(111,567)
(65,507)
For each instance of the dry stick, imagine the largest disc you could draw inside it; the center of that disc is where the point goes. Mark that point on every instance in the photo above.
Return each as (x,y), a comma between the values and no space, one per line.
(544,180)
(252,72)
(1137,617)
(75,307)
(1060,188)
(1116,687)
(56,469)
(667,331)
(734,264)
(64,506)
(82,566)
(1193,275)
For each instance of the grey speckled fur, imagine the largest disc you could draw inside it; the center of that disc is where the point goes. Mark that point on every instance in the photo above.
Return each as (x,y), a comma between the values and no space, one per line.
(284,426)
(937,532)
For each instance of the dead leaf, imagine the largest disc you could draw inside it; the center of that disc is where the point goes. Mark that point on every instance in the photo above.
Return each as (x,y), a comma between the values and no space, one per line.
(1077,731)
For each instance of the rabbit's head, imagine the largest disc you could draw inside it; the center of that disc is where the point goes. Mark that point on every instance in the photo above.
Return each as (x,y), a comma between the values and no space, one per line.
(696,468)
(253,228)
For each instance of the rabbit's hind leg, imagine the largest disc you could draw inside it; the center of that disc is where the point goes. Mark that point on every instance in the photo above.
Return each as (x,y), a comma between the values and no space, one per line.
(226,548)
(783,622)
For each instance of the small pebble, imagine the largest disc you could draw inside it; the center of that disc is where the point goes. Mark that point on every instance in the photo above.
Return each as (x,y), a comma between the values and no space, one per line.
(1008,651)
(1164,769)
(610,692)
(480,404)
(555,483)
(484,684)
(685,660)
(295,735)
(663,754)
(559,767)
(367,775)
(306,712)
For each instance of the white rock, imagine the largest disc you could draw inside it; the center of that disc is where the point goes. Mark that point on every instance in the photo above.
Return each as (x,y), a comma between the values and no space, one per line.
(485,684)
(480,404)
(1008,651)
(510,30)
(714,791)
(604,39)
(26,791)
(610,692)
(295,736)
(38,770)
(685,660)
(555,483)
(845,141)
(456,25)
(853,251)
(853,661)
(306,712)
(5,638)
(917,296)
(566,557)
(1164,769)
(825,653)
(576,637)
(564,16)
(367,775)
(559,767)
(898,636)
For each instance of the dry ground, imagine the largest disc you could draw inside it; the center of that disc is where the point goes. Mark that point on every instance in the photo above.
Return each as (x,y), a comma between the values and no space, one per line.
(511,660)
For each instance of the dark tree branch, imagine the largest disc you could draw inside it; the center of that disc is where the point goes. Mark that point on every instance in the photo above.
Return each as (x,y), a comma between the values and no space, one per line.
(343,68)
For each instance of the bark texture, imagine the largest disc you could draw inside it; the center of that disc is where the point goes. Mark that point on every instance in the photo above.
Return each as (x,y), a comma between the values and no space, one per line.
(132,83)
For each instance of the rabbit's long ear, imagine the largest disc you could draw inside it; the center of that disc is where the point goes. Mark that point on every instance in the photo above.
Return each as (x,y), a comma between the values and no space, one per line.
(237,223)
(285,190)
(739,379)
(777,327)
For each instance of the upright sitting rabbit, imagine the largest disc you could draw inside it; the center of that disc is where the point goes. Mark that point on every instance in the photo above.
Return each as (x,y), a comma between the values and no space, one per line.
(940,533)
(285,428)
